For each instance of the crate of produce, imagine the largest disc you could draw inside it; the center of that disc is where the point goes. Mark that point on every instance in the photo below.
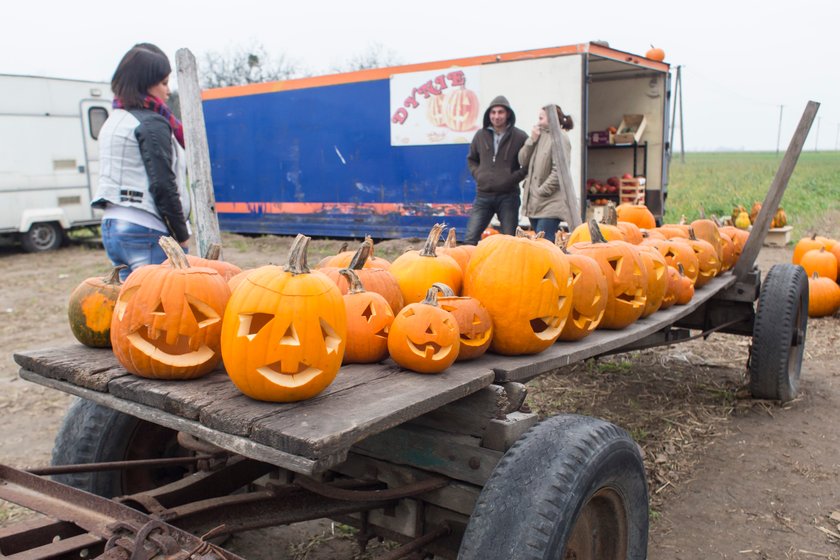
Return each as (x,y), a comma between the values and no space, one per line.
(632,190)
(630,130)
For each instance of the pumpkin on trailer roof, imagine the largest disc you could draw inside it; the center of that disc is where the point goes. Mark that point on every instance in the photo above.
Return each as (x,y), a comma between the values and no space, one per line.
(168,319)
(374,279)
(285,331)
(424,337)
(369,319)
(527,288)
(475,326)
(91,308)
(625,274)
(416,271)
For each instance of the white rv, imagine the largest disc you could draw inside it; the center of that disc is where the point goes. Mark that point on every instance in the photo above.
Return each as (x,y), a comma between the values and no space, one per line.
(49,156)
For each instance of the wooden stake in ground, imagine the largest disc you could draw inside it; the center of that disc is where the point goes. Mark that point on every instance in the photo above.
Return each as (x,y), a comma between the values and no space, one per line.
(205,220)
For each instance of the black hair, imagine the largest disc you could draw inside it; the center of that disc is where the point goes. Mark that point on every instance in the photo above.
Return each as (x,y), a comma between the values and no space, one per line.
(142,67)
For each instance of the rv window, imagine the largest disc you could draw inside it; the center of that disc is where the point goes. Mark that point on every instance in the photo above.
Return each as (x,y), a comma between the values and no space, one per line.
(96,118)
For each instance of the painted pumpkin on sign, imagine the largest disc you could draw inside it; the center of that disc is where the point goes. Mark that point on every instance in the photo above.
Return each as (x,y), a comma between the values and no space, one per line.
(423,337)
(168,319)
(462,110)
(527,288)
(474,323)
(285,331)
(91,309)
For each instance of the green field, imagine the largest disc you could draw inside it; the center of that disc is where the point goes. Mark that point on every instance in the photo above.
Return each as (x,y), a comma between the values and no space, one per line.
(720,181)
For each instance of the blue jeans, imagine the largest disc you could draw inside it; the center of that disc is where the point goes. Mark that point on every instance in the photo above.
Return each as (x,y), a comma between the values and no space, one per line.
(548,225)
(506,206)
(132,245)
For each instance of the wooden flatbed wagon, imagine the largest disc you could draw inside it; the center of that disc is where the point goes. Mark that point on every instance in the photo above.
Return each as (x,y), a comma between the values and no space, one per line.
(448,464)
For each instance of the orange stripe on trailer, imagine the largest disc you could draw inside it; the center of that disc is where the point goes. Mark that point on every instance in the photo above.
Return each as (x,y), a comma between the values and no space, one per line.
(340,208)
(384,73)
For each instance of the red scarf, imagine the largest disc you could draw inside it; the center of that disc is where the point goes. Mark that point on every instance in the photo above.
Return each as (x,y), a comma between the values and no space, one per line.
(158,106)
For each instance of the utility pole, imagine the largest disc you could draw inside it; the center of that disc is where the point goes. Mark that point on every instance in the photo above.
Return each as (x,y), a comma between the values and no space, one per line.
(779,135)
(817,136)
(677,92)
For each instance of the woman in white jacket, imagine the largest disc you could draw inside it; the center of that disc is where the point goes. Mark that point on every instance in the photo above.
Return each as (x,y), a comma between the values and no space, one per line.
(541,190)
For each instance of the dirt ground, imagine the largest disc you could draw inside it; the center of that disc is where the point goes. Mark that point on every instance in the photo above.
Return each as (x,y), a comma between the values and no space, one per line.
(730,477)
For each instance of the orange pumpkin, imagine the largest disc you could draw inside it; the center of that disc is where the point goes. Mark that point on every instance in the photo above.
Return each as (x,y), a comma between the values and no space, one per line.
(213,259)
(369,319)
(707,230)
(625,273)
(657,276)
(374,279)
(167,321)
(416,271)
(462,110)
(808,244)
(739,238)
(638,214)
(461,253)
(527,288)
(655,53)
(685,289)
(708,263)
(475,326)
(823,296)
(677,253)
(728,251)
(673,287)
(821,262)
(342,260)
(589,299)
(424,337)
(285,331)
(91,308)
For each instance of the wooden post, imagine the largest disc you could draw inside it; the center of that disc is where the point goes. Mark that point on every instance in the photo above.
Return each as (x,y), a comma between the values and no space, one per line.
(774,195)
(571,197)
(205,220)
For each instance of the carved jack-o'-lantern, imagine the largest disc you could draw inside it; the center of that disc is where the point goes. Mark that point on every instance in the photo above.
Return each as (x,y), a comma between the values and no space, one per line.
(435,110)
(369,319)
(462,110)
(213,259)
(474,323)
(167,320)
(677,253)
(416,271)
(589,300)
(91,309)
(626,277)
(285,331)
(707,257)
(657,275)
(374,279)
(527,288)
(424,337)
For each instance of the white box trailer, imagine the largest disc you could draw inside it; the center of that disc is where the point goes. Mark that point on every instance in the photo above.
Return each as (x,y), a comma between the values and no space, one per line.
(49,156)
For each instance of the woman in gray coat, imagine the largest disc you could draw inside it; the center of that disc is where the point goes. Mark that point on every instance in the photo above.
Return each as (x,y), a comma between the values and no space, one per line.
(542,190)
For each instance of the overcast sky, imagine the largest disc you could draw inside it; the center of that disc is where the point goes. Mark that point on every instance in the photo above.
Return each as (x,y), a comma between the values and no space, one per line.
(741,59)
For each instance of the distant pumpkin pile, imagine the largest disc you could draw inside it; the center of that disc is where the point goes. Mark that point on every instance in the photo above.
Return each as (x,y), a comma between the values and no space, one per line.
(283,332)
(819,256)
(743,219)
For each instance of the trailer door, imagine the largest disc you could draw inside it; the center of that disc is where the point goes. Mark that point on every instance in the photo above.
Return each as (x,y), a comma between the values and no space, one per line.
(94,113)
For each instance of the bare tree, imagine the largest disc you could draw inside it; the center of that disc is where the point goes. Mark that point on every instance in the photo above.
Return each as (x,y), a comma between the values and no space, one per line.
(376,55)
(245,65)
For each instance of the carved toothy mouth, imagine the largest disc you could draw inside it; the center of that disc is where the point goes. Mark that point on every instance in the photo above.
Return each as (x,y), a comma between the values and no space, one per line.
(304,376)
(475,339)
(583,322)
(546,328)
(171,354)
(430,350)
(635,299)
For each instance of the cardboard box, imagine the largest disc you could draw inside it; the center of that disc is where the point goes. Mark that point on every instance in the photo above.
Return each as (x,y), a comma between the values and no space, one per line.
(599,137)
(630,130)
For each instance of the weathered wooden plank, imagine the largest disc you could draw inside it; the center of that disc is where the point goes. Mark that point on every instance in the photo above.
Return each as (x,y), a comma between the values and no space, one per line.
(523,368)
(335,420)
(469,415)
(458,457)
(234,444)
(774,194)
(91,368)
(502,433)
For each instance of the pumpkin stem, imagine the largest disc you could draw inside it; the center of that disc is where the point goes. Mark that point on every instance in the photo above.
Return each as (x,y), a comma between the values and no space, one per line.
(539,235)
(561,239)
(716,221)
(450,239)
(691,234)
(342,247)
(361,256)
(296,263)
(595,232)
(815,275)
(174,252)
(431,297)
(520,232)
(356,286)
(214,252)
(681,269)
(444,289)
(432,241)
(114,276)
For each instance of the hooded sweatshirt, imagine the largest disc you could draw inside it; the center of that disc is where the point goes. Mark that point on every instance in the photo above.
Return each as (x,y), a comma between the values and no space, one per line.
(497,172)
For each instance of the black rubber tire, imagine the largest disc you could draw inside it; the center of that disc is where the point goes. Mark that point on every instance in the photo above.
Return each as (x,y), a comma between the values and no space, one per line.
(91,433)
(778,342)
(555,477)
(42,236)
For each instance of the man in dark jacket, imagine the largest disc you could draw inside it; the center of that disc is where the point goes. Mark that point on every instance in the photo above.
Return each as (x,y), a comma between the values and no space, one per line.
(494,163)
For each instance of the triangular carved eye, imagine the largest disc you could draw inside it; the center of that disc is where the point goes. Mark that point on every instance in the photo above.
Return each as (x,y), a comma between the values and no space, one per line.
(331,339)
(122,302)
(159,309)
(550,277)
(430,330)
(251,323)
(476,320)
(615,263)
(576,273)
(369,313)
(203,313)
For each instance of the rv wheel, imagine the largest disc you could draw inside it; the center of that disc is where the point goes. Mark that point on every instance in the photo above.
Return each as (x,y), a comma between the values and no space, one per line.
(42,236)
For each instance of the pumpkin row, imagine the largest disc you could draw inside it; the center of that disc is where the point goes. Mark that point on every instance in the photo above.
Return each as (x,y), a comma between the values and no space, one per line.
(819,256)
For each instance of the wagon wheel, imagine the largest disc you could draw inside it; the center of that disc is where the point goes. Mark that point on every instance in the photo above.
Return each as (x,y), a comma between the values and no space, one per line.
(91,433)
(778,341)
(571,487)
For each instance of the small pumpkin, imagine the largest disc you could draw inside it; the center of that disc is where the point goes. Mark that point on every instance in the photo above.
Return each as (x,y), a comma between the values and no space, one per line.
(461,253)
(285,330)
(779,219)
(807,244)
(823,296)
(742,221)
(756,208)
(820,261)
(375,279)
(369,319)
(475,326)
(416,271)
(707,258)
(424,337)
(655,53)
(685,289)
(677,253)
(91,308)
(167,321)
